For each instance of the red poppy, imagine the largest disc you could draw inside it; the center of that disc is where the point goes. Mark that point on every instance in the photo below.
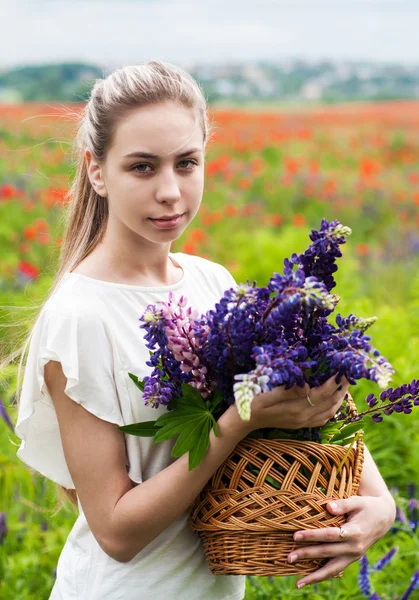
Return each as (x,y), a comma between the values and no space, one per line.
(298,220)
(28,269)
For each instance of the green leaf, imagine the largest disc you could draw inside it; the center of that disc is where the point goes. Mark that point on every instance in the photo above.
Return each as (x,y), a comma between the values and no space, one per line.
(193,395)
(273,482)
(330,427)
(347,431)
(189,437)
(182,402)
(215,401)
(138,383)
(174,428)
(179,412)
(215,427)
(197,452)
(145,429)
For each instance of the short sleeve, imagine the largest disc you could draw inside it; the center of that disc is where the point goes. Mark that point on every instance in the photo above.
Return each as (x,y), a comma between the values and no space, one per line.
(80,341)
(227,279)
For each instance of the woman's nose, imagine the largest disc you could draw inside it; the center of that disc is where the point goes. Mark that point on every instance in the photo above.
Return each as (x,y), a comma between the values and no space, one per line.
(168,189)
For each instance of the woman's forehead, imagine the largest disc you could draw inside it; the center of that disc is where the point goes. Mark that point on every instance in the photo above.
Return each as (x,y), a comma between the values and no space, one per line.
(170,133)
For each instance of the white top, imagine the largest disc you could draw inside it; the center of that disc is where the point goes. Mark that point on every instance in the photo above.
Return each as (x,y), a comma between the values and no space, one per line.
(92,327)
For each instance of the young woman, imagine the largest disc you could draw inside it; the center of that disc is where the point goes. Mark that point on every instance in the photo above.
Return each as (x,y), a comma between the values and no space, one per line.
(139,184)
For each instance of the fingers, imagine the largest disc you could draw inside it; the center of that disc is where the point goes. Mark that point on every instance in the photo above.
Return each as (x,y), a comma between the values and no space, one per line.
(321,534)
(328,389)
(296,392)
(320,551)
(346,505)
(326,409)
(332,568)
(279,393)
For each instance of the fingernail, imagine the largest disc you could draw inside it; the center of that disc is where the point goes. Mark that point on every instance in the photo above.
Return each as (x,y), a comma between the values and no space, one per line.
(298,537)
(334,506)
(292,558)
(300,584)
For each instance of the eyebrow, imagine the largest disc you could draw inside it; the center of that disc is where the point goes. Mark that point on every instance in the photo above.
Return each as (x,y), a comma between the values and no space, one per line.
(149,155)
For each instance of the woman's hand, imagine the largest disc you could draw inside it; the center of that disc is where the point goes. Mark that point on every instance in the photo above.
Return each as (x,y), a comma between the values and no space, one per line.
(290,409)
(370,517)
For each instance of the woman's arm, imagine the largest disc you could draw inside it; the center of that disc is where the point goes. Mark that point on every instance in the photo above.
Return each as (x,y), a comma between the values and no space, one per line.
(372,483)
(371,514)
(147,510)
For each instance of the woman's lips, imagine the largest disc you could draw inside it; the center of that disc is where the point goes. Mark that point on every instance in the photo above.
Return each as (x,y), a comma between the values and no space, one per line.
(166,223)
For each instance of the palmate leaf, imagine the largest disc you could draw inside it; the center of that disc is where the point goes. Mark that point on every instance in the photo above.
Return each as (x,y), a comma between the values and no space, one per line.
(198,451)
(193,396)
(215,401)
(183,411)
(145,429)
(175,427)
(190,435)
(190,420)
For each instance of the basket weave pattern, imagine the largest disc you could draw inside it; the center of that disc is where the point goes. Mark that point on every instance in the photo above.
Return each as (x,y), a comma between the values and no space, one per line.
(264,492)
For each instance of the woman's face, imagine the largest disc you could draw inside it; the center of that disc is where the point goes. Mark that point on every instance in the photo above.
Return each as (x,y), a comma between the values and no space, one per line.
(140,188)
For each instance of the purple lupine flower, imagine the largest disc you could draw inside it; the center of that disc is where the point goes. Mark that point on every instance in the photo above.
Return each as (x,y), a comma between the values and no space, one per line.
(5,416)
(319,258)
(44,525)
(413,507)
(157,391)
(400,516)
(411,490)
(231,331)
(384,560)
(375,596)
(401,399)
(351,322)
(364,577)
(408,523)
(165,381)
(3,527)
(259,338)
(180,340)
(414,584)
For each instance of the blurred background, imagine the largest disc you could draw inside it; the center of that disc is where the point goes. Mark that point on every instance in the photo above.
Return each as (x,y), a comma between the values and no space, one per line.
(315,106)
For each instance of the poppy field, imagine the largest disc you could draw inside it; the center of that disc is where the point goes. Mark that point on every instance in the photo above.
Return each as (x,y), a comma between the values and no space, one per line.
(271,176)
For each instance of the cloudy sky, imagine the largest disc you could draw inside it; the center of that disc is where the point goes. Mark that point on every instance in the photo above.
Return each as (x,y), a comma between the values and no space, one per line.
(117,32)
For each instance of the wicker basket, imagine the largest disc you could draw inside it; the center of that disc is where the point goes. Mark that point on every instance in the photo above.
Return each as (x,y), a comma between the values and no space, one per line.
(265,491)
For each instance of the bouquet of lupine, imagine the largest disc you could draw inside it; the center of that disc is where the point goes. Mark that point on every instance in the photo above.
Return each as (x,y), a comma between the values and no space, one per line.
(258,338)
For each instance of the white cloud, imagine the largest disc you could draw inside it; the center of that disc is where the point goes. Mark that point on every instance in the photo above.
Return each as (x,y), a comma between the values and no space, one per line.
(116,32)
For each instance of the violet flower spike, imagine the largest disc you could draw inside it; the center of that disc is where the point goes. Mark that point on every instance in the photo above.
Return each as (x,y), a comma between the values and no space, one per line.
(364,577)
(401,399)
(384,560)
(248,386)
(180,340)
(5,416)
(414,584)
(3,527)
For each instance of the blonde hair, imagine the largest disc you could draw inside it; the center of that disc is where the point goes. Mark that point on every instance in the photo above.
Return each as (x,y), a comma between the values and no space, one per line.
(86,213)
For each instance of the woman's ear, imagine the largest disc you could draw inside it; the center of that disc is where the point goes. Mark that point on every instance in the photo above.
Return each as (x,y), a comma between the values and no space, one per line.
(95,174)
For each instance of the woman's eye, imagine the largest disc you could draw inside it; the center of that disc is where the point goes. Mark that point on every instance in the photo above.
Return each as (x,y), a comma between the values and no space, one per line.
(188,161)
(135,167)
(141,165)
